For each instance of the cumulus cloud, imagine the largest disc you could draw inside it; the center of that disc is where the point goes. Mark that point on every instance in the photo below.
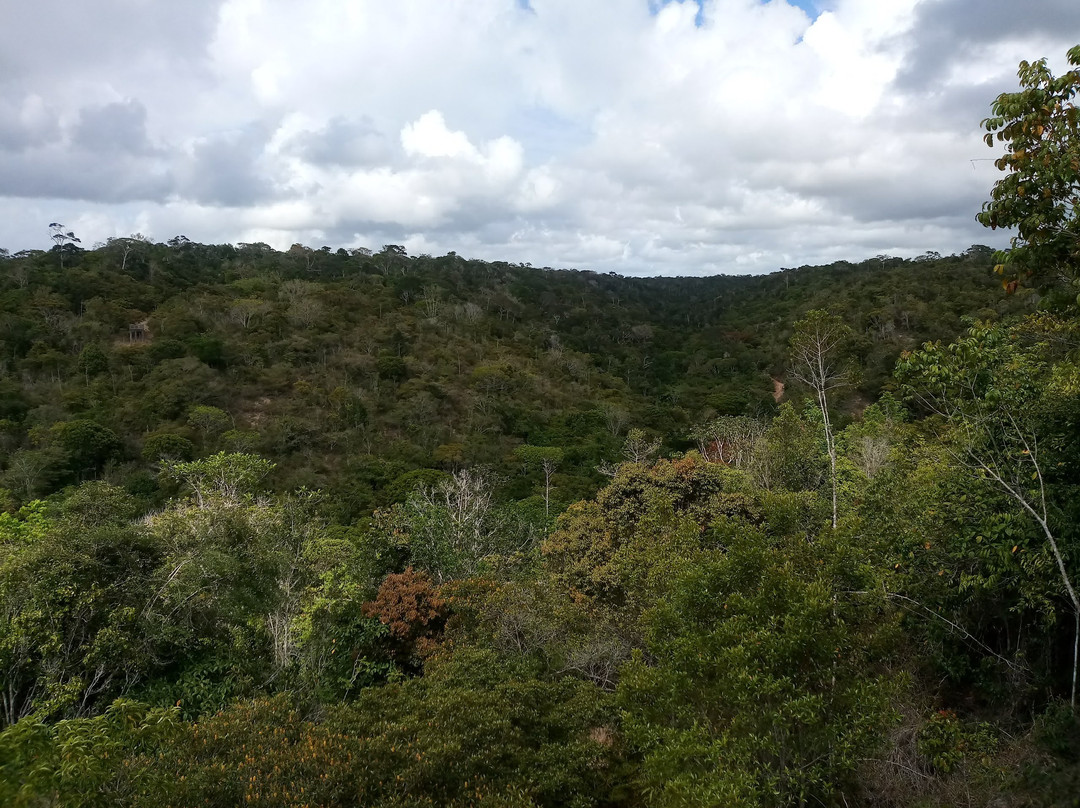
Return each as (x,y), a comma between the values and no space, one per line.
(639,136)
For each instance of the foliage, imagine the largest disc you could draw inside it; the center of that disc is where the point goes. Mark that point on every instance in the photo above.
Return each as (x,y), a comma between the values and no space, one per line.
(787,456)
(26,525)
(454,528)
(226,476)
(470,733)
(991,390)
(762,688)
(167,446)
(432,531)
(77,762)
(86,444)
(72,597)
(412,611)
(946,743)
(1040,194)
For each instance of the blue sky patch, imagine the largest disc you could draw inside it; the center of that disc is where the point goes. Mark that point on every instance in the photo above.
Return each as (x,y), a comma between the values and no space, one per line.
(809,6)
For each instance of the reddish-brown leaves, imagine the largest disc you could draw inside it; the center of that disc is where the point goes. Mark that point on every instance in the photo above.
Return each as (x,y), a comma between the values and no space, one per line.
(410,606)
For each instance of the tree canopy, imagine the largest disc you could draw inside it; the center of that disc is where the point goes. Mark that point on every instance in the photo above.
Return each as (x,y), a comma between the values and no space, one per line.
(1040,194)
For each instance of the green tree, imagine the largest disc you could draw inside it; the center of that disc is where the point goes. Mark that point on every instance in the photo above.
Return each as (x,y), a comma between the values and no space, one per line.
(88,444)
(762,685)
(209,421)
(71,593)
(227,477)
(167,446)
(26,525)
(788,455)
(994,393)
(78,762)
(63,238)
(1040,193)
(92,361)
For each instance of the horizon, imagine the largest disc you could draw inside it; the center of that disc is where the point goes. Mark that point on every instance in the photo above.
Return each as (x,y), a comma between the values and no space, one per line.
(645,137)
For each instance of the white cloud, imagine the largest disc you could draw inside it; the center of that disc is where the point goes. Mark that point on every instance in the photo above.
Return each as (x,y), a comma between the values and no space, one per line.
(429,137)
(605,135)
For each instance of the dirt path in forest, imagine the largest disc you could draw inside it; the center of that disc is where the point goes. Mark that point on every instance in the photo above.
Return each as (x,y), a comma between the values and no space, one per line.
(777,390)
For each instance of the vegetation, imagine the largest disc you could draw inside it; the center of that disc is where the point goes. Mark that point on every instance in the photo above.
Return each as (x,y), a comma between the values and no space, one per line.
(332,528)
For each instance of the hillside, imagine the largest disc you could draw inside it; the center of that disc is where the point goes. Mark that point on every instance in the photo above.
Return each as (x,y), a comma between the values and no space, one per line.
(352,370)
(315,528)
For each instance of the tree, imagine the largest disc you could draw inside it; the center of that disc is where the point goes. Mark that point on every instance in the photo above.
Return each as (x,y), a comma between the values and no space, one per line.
(88,444)
(244,310)
(788,455)
(454,527)
(62,237)
(412,610)
(817,348)
(992,391)
(1040,194)
(230,478)
(729,439)
(210,421)
(760,687)
(167,446)
(127,247)
(547,458)
(639,448)
(92,361)
(451,525)
(70,593)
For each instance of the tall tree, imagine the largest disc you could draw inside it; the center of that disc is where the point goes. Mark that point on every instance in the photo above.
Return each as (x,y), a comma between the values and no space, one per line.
(818,361)
(62,237)
(547,459)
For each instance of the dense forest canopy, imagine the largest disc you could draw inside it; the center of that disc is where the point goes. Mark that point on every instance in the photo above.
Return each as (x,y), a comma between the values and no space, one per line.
(324,527)
(351,370)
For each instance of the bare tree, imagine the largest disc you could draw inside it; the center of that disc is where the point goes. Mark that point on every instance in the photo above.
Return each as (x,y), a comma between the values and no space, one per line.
(615,418)
(453,525)
(245,309)
(729,439)
(548,459)
(638,447)
(817,360)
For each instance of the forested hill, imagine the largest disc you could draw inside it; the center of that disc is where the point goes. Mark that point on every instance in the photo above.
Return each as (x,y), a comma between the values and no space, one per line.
(323,528)
(353,370)
(315,528)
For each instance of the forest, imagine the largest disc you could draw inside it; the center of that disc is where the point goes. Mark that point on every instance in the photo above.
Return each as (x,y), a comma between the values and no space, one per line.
(325,527)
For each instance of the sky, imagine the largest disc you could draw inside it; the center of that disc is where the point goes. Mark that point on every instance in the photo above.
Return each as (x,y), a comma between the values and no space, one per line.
(634,136)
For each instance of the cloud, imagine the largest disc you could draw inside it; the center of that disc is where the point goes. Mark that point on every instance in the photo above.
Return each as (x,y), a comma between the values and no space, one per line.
(678,137)
(228,169)
(26,121)
(112,128)
(341,142)
(101,153)
(949,36)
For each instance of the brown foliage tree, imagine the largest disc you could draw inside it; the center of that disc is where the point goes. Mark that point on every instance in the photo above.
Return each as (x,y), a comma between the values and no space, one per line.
(409,604)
